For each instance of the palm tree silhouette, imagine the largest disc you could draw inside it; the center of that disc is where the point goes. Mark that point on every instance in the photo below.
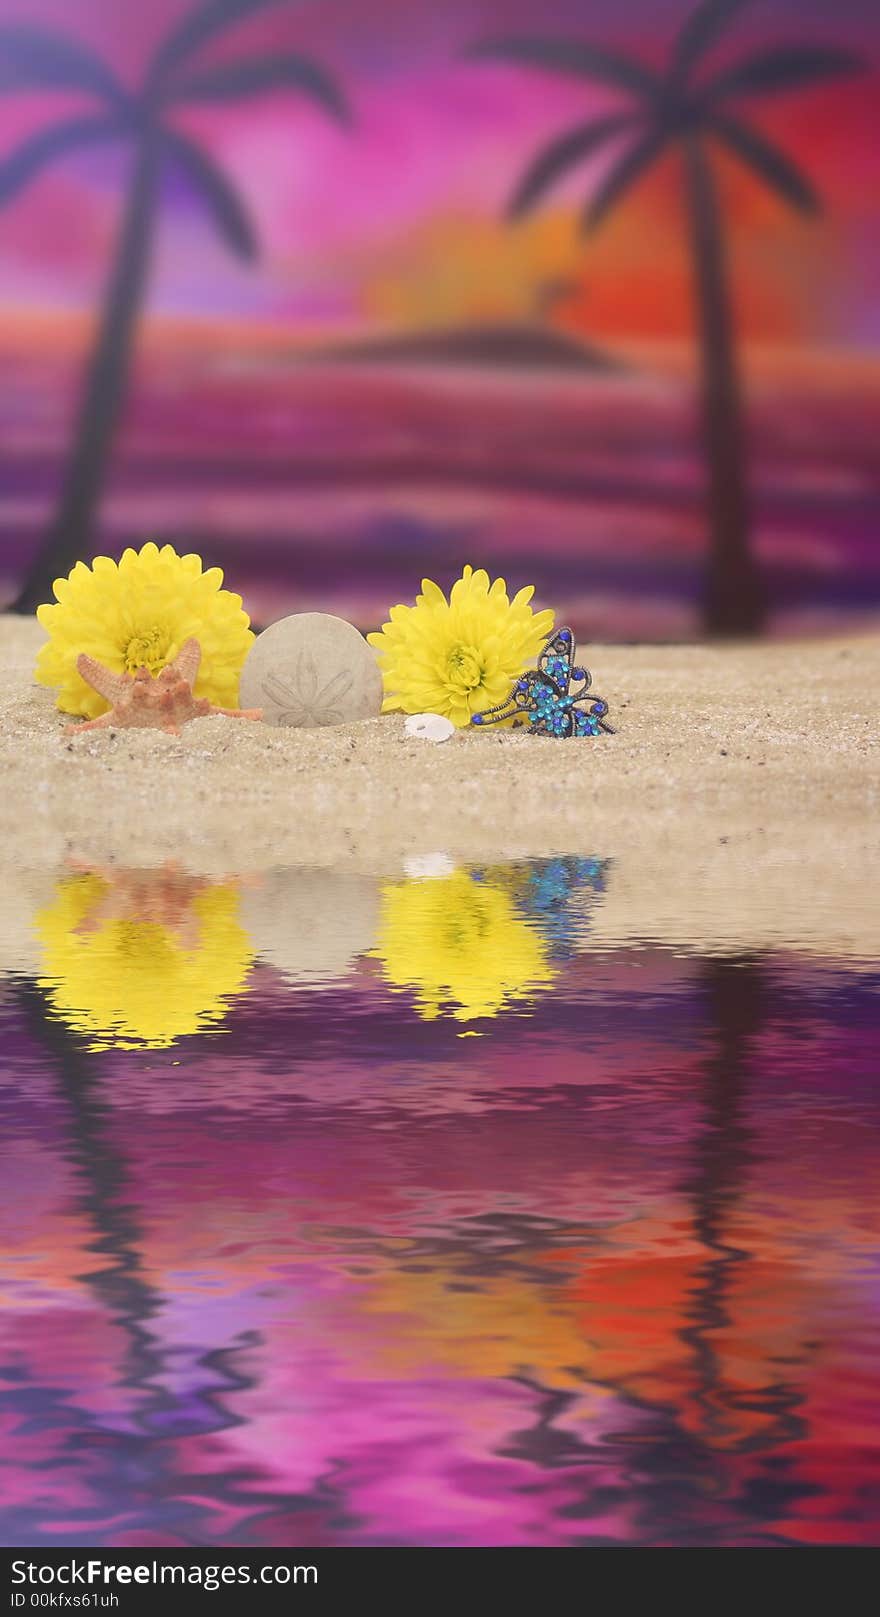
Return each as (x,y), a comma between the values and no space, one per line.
(687,108)
(34,59)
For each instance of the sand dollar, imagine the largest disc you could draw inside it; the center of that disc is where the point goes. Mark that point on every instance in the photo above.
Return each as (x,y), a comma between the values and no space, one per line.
(312,925)
(310,670)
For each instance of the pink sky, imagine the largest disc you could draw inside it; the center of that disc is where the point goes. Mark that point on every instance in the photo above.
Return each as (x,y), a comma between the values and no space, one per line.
(353,226)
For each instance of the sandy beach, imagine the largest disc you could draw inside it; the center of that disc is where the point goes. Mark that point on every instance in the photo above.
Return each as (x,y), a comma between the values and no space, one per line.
(739,797)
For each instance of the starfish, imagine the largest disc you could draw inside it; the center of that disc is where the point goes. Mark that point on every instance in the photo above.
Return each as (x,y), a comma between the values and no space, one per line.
(163,703)
(162,898)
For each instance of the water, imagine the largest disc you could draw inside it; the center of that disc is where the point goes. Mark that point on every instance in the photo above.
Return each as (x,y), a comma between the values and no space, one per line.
(341,1210)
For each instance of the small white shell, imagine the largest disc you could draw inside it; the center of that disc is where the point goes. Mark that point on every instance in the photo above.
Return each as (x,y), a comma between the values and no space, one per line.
(429,726)
(428,866)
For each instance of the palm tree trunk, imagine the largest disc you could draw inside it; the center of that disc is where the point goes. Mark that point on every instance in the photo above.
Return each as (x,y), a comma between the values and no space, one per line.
(70,537)
(734,597)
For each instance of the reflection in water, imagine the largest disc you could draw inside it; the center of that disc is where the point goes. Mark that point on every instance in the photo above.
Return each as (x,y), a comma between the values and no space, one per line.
(311,925)
(322,1280)
(460,946)
(737,1007)
(119,1282)
(140,958)
(121,1457)
(557,895)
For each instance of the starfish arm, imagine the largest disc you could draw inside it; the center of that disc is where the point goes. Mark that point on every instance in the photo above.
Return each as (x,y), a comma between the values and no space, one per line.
(187,661)
(103,723)
(107,684)
(255,713)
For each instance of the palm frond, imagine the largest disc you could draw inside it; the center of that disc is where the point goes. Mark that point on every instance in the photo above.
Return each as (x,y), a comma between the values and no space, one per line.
(783,67)
(22,164)
(561,154)
(286,71)
(225,208)
(700,30)
(624,174)
(35,59)
(198,27)
(571,56)
(766,161)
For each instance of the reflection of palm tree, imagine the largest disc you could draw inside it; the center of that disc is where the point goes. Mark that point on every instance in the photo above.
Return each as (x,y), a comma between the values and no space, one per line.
(683,108)
(159,1494)
(736,995)
(120,1283)
(738,1006)
(34,59)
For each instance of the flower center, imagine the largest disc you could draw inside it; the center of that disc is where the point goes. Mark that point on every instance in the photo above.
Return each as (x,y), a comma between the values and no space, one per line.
(147,651)
(464,668)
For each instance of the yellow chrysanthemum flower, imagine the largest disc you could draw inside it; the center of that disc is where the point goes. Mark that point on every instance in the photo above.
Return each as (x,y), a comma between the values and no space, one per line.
(131,983)
(137,614)
(460,945)
(460,656)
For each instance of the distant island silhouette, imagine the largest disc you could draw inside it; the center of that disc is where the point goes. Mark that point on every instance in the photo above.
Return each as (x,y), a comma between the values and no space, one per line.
(512,346)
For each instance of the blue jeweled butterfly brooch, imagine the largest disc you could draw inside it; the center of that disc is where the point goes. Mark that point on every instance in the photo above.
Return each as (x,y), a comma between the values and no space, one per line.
(552,698)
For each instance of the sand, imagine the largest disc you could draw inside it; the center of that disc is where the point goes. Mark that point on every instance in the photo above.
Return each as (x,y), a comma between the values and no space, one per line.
(738,800)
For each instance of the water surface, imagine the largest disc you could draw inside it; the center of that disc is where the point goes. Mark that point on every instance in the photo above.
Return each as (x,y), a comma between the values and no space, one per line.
(348,1210)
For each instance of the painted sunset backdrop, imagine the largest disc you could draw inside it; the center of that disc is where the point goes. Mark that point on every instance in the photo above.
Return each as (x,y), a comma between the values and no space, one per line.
(401,378)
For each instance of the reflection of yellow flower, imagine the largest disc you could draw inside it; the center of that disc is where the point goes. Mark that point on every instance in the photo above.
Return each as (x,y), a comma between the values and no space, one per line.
(130,980)
(138,615)
(460,656)
(460,945)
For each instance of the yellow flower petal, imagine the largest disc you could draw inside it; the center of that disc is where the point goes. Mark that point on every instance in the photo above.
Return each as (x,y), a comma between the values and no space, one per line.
(461,655)
(141,611)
